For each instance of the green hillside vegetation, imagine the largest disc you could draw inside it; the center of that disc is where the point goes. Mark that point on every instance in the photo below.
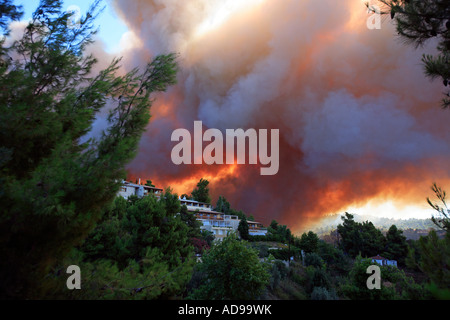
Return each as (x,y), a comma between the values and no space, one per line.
(145,249)
(412,228)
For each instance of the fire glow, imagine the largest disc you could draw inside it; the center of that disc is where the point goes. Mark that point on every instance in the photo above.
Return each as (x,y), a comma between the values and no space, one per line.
(214,152)
(218,12)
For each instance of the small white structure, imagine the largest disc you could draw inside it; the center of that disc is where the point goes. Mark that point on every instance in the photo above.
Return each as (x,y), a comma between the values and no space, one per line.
(382,261)
(256,229)
(216,222)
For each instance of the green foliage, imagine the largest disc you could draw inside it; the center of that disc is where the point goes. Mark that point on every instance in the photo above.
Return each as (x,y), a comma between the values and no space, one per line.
(435,259)
(223,205)
(313,259)
(201,192)
(413,256)
(262,248)
(192,223)
(283,284)
(356,287)
(149,278)
(230,270)
(243,229)
(442,221)
(54,187)
(316,277)
(9,12)
(186,196)
(208,236)
(360,238)
(274,225)
(140,250)
(320,293)
(309,242)
(334,258)
(438,293)
(279,233)
(284,254)
(396,246)
(395,285)
(149,183)
(278,272)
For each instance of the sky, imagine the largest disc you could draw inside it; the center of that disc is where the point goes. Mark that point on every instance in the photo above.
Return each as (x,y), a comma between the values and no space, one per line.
(361,129)
(111,27)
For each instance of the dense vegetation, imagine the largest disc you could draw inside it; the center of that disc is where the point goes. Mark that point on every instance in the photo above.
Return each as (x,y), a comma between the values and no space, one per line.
(144,249)
(53,185)
(321,270)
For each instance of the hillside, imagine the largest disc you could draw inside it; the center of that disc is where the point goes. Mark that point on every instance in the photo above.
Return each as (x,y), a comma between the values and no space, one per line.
(412,228)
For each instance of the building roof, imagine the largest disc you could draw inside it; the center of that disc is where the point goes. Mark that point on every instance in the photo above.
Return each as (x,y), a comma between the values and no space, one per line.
(130,184)
(206,211)
(378,257)
(193,201)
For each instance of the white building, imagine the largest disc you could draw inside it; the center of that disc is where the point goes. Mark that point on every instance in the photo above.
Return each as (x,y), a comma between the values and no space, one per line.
(132,189)
(256,228)
(383,261)
(218,223)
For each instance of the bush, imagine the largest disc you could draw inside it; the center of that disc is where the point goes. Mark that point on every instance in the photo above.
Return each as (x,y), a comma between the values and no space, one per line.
(313,259)
(285,254)
(320,293)
(263,249)
(233,272)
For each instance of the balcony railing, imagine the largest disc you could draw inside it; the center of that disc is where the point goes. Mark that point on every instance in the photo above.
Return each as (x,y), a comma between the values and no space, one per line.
(220,225)
(209,217)
(257,228)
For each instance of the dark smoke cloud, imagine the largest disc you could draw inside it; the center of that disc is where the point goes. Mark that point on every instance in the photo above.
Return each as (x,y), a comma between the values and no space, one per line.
(358,120)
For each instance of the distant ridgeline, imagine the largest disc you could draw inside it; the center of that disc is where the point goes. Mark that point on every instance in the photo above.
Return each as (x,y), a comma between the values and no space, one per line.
(412,228)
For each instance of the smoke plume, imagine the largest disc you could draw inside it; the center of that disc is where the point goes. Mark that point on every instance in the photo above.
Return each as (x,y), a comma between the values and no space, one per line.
(358,120)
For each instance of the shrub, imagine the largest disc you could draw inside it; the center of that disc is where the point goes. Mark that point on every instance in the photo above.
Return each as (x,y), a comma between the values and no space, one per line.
(320,293)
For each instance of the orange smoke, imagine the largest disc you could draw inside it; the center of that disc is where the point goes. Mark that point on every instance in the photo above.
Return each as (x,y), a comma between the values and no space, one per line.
(359,122)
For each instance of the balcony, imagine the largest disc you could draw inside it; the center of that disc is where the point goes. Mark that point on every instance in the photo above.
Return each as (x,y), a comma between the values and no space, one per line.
(257,227)
(209,217)
(222,225)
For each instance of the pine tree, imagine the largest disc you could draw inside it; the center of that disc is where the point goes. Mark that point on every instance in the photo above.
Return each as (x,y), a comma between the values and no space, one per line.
(201,192)
(53,185)
(223,205)
(418,21)
(309,242)
(149,183)
(396,246)
(8,13)
(191,221)
(146,245)
(442,220)
(360,238)
(243,229)
(435,259)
